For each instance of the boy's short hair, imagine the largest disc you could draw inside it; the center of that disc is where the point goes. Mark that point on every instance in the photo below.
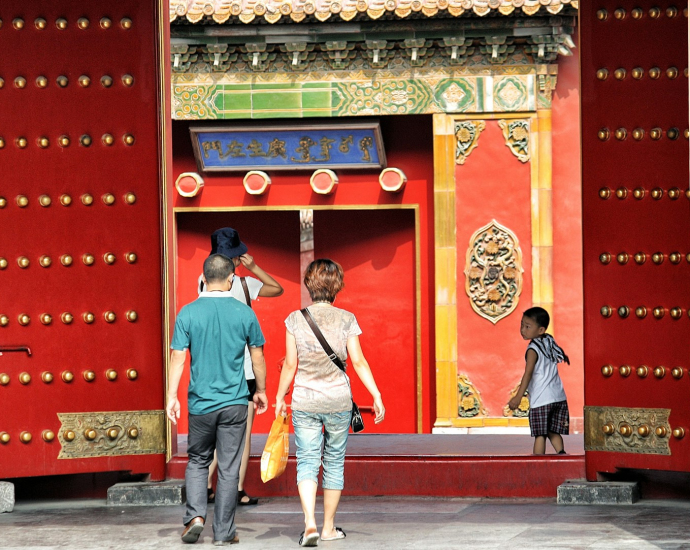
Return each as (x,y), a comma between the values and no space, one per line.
(217,268)
(539,315)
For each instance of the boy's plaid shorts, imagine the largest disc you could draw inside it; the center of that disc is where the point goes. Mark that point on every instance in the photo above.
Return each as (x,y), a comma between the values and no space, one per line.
(553,417)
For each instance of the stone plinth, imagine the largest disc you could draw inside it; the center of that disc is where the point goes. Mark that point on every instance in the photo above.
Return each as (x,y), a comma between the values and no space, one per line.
(166,493)
(6,496)
(580,491)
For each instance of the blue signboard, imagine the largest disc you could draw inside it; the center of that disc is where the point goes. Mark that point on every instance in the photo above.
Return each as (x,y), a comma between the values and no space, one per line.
(282,148)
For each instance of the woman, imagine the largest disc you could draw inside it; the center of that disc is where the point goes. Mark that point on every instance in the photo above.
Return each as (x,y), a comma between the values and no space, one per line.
(321,396)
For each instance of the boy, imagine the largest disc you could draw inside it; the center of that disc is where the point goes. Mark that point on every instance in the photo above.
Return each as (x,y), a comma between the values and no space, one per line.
(548,411)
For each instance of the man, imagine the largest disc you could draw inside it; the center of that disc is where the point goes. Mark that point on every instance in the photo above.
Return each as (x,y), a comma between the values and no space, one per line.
(215,328)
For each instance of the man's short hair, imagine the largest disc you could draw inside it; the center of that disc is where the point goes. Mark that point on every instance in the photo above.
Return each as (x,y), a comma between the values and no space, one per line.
(217,268)
(539,315)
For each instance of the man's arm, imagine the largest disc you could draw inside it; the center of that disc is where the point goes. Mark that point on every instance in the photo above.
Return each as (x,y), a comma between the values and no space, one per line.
(530,362)
(271,288)
(175,370)
(259,368)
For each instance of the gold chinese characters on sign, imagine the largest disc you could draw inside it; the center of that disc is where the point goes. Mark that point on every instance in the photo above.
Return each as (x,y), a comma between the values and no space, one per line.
(627,430)
(92,434)
(493,271)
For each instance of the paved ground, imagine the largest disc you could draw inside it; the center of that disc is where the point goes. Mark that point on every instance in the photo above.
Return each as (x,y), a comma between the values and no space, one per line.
(370,523)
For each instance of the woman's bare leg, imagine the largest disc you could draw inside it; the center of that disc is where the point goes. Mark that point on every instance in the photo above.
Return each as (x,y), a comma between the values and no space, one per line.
(331,498)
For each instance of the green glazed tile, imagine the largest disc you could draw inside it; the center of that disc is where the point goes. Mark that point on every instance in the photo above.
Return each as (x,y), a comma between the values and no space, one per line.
(316,100)
(286,101)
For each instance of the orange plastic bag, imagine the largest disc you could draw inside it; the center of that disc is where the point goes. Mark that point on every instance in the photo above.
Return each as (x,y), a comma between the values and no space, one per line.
(275,456)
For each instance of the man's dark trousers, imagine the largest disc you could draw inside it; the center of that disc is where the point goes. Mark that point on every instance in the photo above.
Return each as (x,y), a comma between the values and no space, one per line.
(222,430)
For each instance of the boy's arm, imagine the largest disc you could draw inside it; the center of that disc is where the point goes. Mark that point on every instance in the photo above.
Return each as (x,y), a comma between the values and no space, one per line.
(271,288)
(530,362)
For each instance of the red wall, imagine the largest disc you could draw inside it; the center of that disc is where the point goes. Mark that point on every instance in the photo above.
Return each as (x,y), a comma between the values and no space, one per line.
(408,142)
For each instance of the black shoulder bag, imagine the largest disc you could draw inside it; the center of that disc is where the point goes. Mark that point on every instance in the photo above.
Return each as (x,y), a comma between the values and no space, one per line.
(356,422)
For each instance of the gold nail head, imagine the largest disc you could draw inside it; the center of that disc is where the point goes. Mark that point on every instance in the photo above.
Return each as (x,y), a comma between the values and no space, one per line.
(22,201)
(608,429)
(22,142)
(658,258)
(3,202)
(4,379)
(131,315)
(638,134)
(602,74)
(602,15)
(679,433)
(672,73)
(41,82)
(661,431)
(90,434)
(2,140)
(107,139)
(67,318)
(18,23)
(43,142)
(45,261)
(88,317)
(636,13)
(643,430)
(621,134)
(637,73)
(68,435)
(40,23)
(25,437)
(641,312)
(111,374)
(675,258)
(108,199)
(23,262)
(48,435)
(3,263)
(65,200)
(621,193)
(83,23)
(130,198)
(67,376)
(623,312)
(4,320)
(126,23)
(128,139)
(24,378)
(89,375)
(654,73)
(623,258)
(604,134)
(676,313)
(607,370)
(131,257)
(677,373)
(63,141)
(128,80)
(105,23)
(654,13)
(619,14)
(639,193)
(4,437)
(106,81)
(620,73)
(656,133)
(62,81)
(657,193)
(604,193)
(46,318)
(109,258)
(85,140)
(671,12)
(47,377)
(606,311)
(86,199)
(84,81)
(44,200)
(605,258)
(132,374)
(660,372)
(640,258)
(109,317)
(133,433)
(66,260)
(658,312)
(625,430)
(61,23)
(673,133)
(88,259)
(112,433)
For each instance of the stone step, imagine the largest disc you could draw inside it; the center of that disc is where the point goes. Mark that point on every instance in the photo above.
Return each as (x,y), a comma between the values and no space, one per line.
(142,493)
(581,491)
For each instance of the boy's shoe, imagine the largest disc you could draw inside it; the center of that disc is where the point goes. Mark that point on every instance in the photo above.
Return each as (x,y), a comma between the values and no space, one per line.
(192,530)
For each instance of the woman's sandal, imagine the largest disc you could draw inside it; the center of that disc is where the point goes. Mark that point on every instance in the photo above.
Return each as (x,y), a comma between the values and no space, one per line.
(251,501)
(339,534)
(312,539)
(211,498)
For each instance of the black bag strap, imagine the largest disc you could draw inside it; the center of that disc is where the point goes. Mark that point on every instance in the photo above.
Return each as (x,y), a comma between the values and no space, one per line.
(247,297)
(319,336)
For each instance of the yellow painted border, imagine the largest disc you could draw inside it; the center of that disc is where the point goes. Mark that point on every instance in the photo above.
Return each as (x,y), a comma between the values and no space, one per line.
(419,406)
(445,245)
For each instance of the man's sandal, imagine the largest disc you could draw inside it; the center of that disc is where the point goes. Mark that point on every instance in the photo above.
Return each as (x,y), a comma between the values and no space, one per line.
(241,495)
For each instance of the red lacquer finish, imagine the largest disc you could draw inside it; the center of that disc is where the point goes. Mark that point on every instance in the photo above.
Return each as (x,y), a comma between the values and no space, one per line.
(96,102)
(631,225)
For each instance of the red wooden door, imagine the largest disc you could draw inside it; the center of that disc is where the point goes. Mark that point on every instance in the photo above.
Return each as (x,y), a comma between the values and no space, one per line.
(636,223)
(80,237)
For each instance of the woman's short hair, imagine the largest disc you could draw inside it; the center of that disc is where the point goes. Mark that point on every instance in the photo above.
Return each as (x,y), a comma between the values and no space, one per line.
(323,279)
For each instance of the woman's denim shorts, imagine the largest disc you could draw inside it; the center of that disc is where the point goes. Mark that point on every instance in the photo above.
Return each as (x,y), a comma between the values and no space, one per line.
(314,431)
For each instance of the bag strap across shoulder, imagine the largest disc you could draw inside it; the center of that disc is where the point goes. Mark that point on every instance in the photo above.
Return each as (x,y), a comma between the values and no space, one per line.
(319,336)
(247,297)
